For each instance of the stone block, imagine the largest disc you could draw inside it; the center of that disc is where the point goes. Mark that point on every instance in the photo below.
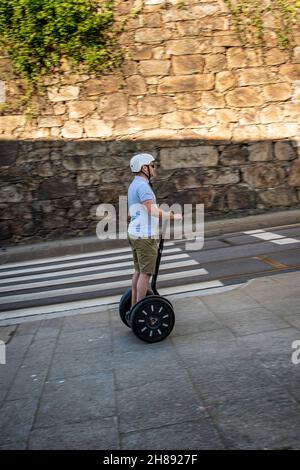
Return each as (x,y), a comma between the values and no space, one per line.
(221,177)
(188,64)
(76,162)
(11,193)
(153,105)
(239,198)
(244,96)
(264,175)
(224,116)
(284,151)
(8,152)
(234,154)
(97,86)
(225,80)
(50,121)
(65,93)
(294,176)
(188,157)
(80,109)
(257,76)
(186,84)
(212,99)
(150,68)
(134,124)
(282,130)
(152,35)
(278,92)
(141,52)
(279,197)
(186,119)
(136,85)
(188,100)
(290,72)
(97,128)
(56,187)
(87,179)
(215,63)
(276,56)
(261,152)
(113,106)
(8,124)
(72,130)
(188,46)
(272,113)
(202,10)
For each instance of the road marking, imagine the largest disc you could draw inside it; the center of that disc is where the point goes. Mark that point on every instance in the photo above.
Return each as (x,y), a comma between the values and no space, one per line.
(111,300)
(267,236)
(74,257)
(252,232)
(272,262)
(93,288)
(99,261)
(90,277)
(271,237)
(29,276)
(286,241)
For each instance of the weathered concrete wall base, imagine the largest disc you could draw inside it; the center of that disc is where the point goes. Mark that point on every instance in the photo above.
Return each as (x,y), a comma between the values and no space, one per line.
(51,189)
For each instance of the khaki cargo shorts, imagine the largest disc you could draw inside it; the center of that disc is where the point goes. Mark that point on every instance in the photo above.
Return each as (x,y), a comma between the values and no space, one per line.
(144,254)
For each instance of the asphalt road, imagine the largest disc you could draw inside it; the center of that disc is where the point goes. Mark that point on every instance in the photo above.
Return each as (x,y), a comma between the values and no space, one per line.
(65,283)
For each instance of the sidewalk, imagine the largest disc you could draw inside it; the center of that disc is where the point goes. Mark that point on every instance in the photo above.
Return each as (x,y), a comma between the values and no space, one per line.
(79,245)
(223,379)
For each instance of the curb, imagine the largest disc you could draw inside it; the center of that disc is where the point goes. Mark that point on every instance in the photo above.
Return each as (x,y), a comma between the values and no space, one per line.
(90,244)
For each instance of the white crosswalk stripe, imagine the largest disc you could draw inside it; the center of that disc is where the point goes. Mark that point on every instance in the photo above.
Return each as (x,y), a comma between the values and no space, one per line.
(271,237)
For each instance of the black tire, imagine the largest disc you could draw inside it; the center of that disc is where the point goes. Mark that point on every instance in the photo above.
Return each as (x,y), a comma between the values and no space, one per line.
(152,319)
(125,304)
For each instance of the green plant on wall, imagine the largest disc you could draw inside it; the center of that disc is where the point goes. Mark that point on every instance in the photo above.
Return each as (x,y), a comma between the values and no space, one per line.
(38,34)
(249,14)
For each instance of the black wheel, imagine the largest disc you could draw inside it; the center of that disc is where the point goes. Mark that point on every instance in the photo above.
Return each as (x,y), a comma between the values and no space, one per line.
(125,304)
(152,319)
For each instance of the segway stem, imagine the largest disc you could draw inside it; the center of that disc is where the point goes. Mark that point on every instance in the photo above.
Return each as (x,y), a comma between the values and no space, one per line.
(159,254)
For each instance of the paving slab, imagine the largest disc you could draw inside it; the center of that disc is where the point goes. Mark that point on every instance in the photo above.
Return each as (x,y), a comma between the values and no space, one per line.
(76,399)
(97,434)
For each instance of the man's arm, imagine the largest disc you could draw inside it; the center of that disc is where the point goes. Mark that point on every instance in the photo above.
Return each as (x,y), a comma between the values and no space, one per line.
(156,212)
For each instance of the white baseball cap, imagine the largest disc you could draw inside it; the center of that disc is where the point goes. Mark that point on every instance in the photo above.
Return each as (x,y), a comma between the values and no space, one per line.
(139,160)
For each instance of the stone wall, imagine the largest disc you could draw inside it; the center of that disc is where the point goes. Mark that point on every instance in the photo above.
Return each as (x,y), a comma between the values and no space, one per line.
(222,118)
(51,189)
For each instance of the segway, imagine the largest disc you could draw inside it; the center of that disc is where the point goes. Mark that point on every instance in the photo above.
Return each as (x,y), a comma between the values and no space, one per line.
(151,319)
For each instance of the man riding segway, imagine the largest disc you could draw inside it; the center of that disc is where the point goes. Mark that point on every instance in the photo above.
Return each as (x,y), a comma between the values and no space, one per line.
(150,316)
(144,223)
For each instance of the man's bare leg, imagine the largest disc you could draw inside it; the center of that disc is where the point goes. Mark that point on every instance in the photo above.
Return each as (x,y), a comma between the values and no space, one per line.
(142,286)
(135,279)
